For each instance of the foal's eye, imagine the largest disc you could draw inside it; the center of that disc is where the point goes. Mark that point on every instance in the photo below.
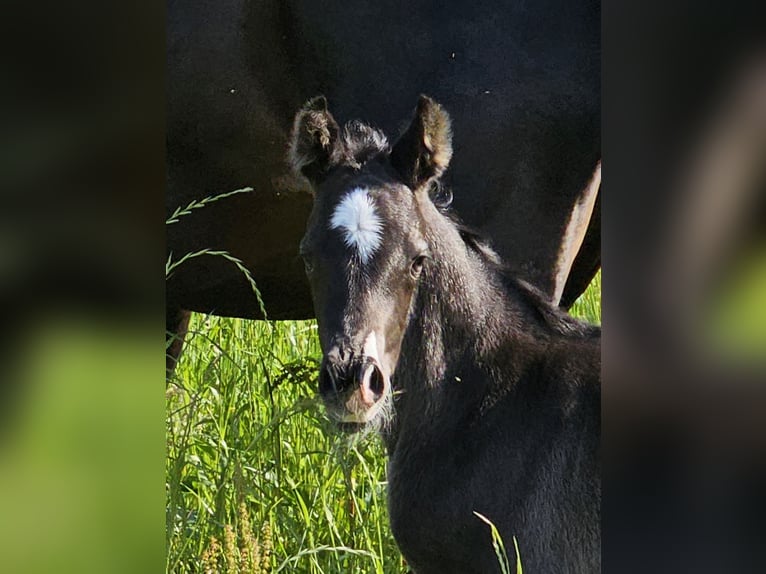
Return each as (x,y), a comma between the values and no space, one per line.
(417,265)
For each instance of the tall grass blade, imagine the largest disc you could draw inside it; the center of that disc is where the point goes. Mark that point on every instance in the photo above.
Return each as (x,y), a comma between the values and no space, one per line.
(497,544)
(199,203)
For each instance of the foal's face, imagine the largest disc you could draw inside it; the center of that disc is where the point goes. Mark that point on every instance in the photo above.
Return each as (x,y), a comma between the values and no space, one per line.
(364,251)
(364,246)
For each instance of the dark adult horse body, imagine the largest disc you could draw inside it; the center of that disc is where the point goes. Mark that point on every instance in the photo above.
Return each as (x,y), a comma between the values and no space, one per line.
(487,395)
(522,80)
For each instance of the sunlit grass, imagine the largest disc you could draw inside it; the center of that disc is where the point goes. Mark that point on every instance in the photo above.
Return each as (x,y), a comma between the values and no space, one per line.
(244,428)
(588,305)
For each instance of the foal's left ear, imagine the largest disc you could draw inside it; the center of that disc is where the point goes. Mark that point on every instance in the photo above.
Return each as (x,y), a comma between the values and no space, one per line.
(314,139)
(424,151)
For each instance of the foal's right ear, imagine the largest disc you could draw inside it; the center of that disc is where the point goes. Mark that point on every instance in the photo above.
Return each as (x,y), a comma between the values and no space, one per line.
(424,151)
(313,140)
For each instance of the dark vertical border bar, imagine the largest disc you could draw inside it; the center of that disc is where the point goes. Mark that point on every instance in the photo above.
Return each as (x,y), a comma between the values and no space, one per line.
(684,457)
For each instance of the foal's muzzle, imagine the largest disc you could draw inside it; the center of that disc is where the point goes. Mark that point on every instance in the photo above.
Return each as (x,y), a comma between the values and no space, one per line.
(352,389)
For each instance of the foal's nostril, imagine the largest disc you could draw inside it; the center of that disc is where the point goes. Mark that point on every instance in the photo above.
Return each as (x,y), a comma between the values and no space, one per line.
(376,382)
(371,383)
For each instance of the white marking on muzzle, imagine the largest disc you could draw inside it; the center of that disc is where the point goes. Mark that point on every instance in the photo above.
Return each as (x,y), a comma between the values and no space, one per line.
(362,227)
(370,347)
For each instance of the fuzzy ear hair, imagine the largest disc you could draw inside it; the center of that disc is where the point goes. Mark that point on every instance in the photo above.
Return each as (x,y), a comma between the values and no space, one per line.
(424,151)
(313,140)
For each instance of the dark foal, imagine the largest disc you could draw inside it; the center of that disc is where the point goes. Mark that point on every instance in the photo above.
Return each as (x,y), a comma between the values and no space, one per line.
(488,397)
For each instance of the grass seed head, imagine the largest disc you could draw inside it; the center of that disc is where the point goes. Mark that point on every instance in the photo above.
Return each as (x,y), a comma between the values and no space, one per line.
(230,552)
(210,556)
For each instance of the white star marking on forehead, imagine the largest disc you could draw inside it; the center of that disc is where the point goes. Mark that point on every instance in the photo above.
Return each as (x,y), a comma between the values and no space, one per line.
(362,227)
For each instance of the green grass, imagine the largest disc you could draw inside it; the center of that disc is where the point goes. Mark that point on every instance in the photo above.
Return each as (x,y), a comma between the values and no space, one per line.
(588,306)
(253,464)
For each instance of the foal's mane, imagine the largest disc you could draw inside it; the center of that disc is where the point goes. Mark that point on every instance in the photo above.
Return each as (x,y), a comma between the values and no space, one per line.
(551,317)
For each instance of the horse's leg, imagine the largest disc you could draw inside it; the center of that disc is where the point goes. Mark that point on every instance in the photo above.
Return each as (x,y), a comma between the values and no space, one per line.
(176,325)
(569,272)
(588,260)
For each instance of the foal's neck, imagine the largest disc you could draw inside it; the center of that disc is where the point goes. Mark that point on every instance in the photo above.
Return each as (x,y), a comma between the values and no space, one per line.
(459,307)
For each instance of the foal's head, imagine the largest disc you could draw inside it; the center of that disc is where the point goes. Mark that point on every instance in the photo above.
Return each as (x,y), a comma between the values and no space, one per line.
(365,246)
